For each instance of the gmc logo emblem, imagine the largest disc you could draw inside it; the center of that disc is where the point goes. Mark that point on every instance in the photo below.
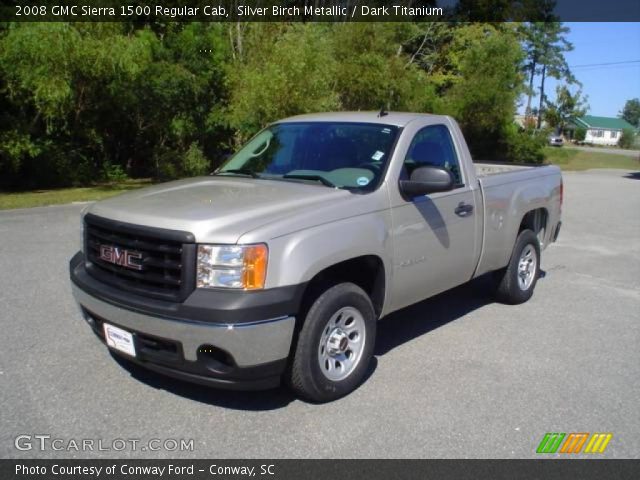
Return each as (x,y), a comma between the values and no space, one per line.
(124,258)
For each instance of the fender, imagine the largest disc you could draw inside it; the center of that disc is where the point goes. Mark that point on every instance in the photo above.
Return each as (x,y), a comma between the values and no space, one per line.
(298,257)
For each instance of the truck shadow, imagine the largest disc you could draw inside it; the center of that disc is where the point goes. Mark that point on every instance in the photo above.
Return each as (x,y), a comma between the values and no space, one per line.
(421,318)
(236,400)
(395,330)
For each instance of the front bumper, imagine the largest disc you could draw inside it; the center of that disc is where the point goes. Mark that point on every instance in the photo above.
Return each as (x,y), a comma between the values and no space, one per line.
(194,341)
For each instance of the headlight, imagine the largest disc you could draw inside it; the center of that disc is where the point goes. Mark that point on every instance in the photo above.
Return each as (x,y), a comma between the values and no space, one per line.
(232,266)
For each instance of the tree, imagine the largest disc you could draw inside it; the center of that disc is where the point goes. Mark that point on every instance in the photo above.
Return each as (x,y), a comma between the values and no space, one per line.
(285,70)
(532,35)
(565,107)
(627,139)
(486,87)
(631,112)
(88,98)
(545,44)
(82,102)
(379,66)
(299,68)
(552,60)
(580,134)
(525,145)
(532,41)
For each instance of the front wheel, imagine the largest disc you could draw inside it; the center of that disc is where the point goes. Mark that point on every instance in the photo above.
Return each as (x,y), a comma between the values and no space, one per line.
(335,344)
(518,280)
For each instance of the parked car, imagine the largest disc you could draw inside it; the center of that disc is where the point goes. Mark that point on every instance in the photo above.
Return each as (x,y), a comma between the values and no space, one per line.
(279,264)
(556,140)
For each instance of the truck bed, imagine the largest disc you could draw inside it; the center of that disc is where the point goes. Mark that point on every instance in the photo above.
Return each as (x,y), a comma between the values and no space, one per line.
(509,191)
(485,169)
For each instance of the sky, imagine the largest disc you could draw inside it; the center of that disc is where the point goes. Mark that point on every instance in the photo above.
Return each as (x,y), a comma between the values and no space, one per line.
(607,87)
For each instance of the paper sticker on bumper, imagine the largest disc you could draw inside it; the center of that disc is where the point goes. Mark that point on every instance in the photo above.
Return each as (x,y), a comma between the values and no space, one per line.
(119,339)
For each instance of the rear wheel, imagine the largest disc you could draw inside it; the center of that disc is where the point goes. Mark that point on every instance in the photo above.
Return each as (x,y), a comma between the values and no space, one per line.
(335,344)
(518,280)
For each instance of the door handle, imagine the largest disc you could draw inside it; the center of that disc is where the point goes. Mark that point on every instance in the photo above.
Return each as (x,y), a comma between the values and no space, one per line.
(463,209)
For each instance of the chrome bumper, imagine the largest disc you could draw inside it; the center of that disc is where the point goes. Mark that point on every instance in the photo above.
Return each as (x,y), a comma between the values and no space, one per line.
(250,344)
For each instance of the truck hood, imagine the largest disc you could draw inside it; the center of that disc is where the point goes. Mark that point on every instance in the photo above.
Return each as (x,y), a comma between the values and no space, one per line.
(217,209)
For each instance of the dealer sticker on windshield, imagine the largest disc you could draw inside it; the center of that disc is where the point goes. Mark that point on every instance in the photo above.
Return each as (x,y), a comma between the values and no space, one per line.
(362,181)
(119,339)
(377,156)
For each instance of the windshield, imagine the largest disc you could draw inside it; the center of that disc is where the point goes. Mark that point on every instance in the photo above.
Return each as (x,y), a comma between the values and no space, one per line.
(335,154)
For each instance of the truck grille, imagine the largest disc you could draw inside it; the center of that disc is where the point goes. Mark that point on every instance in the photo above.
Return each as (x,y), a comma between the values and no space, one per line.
(162,264)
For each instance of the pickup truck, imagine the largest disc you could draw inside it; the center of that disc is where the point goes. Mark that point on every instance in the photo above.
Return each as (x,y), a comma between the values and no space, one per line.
(278,265)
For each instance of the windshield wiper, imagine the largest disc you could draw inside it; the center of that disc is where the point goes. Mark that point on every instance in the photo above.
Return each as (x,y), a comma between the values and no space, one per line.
(239,171)
(317,178)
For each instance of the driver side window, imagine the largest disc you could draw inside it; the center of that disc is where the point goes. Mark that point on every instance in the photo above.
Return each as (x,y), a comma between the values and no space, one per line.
(433,146)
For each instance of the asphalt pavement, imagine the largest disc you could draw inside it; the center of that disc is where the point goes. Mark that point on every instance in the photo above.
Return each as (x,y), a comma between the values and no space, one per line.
(454,376)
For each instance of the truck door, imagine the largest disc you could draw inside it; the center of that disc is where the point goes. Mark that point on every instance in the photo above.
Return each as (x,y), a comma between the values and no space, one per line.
(434,235)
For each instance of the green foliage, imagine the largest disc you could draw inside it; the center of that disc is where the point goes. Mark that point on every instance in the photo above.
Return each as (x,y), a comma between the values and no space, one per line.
(628,138)
(486,86)
(566,106)
(85,102)
(94,99)
(113,173)
(544,44)
(631,112)
(194,162)
(370,72)
(525,145)
(317,67)
(167,166)
(290,72)
(580,134)
(15,146)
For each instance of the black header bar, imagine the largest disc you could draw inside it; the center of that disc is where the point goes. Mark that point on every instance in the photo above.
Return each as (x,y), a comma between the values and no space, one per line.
(319,469)
(320,10)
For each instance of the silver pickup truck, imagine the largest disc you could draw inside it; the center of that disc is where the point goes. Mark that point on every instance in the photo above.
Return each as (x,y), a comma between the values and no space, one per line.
(279,264)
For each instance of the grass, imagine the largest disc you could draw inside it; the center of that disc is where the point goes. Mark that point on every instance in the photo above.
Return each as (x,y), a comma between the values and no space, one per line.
(571,159)
(41,198)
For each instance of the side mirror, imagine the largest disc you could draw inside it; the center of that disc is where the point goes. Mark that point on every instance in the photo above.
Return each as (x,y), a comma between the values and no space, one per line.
(425,180)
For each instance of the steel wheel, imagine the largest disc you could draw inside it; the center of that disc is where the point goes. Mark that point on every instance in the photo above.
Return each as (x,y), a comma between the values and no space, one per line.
(341,344)
(527,266)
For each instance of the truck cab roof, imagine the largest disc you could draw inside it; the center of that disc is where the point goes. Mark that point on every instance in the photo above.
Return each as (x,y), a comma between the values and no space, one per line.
(399,119)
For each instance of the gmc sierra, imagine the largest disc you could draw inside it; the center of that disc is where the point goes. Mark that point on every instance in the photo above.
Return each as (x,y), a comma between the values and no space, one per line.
(279,264)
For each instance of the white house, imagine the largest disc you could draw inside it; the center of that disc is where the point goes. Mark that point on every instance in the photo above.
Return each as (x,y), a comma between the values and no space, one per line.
(602,130)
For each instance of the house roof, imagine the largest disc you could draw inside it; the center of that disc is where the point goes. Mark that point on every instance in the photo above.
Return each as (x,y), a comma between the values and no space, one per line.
(608,123)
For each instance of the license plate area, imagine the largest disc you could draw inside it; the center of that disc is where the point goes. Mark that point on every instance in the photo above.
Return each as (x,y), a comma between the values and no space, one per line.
(119,339)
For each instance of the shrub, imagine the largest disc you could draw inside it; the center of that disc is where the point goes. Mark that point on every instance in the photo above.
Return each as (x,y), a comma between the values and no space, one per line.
(580,134)
(165,163)
(56,166)
(113,173)
(194,162)
(525,146)
(627,139)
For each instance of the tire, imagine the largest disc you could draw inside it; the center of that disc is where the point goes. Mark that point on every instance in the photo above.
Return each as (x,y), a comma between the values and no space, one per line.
(334,345)
(516,282)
